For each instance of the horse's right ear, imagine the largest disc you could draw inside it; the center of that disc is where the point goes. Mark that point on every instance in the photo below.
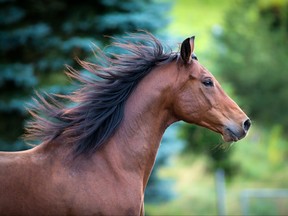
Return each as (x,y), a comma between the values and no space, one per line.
(187,48)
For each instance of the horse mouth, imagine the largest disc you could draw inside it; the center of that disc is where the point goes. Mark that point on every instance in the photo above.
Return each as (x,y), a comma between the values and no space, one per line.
(233,136)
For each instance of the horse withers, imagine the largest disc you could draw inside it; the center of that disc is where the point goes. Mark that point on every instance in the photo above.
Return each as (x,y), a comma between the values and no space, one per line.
(97,154)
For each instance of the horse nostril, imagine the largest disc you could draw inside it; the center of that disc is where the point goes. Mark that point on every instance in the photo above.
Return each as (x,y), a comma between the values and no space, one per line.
(247,125)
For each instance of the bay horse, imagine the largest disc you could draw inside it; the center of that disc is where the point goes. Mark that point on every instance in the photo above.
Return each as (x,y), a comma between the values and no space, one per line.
(97,152)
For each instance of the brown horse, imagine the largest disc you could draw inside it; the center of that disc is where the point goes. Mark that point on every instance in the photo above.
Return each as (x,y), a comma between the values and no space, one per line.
(97,153)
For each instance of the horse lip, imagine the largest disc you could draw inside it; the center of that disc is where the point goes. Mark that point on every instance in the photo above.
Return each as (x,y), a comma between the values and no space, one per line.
(232,136)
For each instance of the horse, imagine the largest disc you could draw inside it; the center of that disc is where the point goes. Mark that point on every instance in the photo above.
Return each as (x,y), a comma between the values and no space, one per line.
(97,145)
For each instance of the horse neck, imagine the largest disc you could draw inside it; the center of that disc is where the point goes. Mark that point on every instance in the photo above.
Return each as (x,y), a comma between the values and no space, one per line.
(147,115)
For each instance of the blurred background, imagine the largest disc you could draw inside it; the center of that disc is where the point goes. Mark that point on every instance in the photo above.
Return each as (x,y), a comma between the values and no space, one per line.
(243,43)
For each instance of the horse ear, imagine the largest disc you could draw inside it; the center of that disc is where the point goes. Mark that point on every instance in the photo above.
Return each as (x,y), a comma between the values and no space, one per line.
(187,48)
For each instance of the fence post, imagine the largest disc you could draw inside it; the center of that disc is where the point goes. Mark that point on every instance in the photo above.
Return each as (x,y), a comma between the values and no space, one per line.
(220,191)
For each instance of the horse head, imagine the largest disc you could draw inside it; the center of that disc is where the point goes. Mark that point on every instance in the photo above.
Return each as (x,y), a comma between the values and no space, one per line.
(199,98)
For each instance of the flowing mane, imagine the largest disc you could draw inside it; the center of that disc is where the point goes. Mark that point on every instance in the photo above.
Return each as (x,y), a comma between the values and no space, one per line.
(98,104)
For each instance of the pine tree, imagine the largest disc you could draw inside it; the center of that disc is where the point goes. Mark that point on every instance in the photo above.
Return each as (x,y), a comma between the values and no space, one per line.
(37,38)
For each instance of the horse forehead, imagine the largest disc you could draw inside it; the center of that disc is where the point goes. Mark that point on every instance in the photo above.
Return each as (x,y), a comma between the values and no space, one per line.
(199,70)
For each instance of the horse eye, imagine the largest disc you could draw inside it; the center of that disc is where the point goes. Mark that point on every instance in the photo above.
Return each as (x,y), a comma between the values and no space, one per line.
(208,83)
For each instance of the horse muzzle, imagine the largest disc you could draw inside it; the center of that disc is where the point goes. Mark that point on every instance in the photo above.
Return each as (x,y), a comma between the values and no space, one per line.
(233,132)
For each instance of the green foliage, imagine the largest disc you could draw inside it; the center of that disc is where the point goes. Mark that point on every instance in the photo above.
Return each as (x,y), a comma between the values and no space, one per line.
(249,52)
(262,157)
(252,55)
(201,141)
(276,150)
(195,187)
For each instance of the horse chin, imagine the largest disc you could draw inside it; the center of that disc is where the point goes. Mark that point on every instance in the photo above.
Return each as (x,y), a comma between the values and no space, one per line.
(229,138)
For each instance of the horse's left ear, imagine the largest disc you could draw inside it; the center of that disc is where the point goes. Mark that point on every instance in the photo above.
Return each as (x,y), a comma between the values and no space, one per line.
(187,48)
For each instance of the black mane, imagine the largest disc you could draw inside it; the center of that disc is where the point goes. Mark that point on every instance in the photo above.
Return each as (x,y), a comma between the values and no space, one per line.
(99,102)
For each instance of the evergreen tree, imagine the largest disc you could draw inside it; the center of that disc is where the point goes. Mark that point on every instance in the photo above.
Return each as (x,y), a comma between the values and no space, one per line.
(37,38)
